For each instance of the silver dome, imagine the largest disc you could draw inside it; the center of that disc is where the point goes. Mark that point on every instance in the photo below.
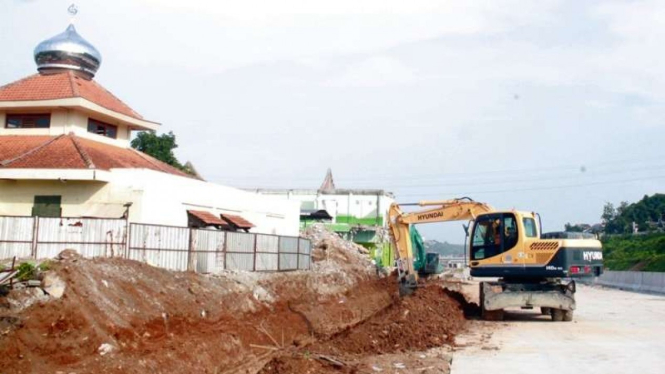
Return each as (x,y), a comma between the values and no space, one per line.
(70,51)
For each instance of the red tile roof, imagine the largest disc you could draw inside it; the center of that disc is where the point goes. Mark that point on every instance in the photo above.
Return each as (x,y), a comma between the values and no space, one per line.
(206,217)
(64,85)
(237,221)
(72,152)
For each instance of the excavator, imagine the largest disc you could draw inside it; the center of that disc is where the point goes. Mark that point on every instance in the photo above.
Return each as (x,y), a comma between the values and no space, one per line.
(506,245)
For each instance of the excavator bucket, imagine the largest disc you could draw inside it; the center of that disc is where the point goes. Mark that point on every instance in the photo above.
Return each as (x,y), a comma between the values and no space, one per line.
(407,285)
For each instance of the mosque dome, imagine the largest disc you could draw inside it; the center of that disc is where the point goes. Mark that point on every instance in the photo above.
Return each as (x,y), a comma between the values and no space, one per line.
(68,51)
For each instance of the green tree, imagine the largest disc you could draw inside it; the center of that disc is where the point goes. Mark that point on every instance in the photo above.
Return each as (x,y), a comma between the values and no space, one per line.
(647,213)
(158,146)
(573,228)
(609,213)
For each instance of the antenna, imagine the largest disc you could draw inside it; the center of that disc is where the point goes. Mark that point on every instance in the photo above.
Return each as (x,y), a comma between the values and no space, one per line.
(73,11)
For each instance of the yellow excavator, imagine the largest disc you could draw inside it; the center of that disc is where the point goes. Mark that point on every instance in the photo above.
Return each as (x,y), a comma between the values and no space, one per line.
(507,245)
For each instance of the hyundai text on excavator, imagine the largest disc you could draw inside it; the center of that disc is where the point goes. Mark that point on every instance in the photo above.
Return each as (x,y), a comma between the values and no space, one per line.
(532,272)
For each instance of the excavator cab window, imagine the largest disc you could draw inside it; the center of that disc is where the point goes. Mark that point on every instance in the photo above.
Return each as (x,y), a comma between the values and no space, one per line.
(510,232)
(493,234)
(530,227)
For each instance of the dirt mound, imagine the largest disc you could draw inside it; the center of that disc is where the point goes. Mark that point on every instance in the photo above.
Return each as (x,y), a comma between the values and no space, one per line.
(119,315)
(329,249)
(303,364)
(122,316)
(429,318)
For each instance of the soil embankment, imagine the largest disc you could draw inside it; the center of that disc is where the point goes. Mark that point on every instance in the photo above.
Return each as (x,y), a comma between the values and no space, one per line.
(121,316)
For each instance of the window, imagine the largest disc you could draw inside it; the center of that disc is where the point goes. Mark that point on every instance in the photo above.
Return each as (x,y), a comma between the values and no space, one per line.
(492,235)
(28,121)
(509,232)
(101,128)
(47,206)
(530,227)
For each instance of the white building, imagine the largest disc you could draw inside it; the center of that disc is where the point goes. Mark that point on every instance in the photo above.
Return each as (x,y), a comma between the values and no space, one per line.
(350,207)
(64,151)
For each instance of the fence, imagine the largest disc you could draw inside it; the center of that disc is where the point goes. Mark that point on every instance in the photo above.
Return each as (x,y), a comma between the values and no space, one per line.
(641,281)
(169,247)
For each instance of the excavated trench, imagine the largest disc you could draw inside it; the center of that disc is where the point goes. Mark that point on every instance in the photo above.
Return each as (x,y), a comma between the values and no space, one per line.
(429,318)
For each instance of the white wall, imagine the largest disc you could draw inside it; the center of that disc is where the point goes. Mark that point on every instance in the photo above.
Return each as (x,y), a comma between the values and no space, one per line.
(359,205)
(166,199)
(79,198)
(157,198)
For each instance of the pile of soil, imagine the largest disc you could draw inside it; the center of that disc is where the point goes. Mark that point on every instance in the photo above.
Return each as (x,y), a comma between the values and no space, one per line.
(119,315)
(123,316)
(429,318)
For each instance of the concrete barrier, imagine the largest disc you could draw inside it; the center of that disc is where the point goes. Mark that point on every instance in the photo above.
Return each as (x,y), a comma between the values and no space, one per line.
(639,281)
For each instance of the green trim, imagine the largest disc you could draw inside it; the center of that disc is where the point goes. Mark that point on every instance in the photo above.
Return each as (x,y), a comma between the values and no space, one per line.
(367,221)
(336,227)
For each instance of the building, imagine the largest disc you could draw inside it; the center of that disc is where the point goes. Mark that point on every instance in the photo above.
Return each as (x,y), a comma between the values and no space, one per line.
(65,151)
(356,214)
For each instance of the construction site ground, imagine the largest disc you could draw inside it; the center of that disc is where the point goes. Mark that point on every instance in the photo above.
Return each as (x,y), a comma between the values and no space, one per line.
(122,316)
(613,331)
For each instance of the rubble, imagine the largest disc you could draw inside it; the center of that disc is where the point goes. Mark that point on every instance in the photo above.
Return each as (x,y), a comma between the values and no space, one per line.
(105,349)
(331,253)
(53,285)
(68,255)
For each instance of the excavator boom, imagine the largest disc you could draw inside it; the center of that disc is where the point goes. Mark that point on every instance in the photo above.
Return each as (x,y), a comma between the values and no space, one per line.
(462,209)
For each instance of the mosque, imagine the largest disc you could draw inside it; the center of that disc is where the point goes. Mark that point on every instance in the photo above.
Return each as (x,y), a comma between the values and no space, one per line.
(65,152)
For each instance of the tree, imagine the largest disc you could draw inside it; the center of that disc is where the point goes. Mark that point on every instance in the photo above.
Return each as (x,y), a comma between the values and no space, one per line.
(572,228)
(609,213)
(158,146)
(580,227)
(646,213)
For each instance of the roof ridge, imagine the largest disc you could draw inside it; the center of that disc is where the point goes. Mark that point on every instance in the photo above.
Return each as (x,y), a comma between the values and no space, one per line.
(136,114)
(72,84)
(4,163)
(84,154)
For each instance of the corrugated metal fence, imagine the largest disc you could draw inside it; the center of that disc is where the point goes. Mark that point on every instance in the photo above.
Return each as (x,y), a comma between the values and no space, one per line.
(169,247)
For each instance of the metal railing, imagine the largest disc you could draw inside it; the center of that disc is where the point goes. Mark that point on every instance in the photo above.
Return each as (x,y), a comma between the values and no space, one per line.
(169,247)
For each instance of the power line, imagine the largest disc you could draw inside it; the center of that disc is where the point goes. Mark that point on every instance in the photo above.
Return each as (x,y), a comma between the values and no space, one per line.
(507,181)
(540,188)
(539,180)
(379,179)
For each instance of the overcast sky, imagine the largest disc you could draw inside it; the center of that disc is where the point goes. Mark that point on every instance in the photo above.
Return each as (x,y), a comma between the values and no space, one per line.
(549,106)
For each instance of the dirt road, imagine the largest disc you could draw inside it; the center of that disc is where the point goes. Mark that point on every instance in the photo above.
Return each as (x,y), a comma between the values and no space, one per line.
(613,332)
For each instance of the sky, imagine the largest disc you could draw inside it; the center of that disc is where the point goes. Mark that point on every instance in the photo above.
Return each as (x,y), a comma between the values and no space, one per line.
(548,106)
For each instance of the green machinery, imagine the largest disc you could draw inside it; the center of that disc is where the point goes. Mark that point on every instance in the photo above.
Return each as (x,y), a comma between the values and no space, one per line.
(424,263)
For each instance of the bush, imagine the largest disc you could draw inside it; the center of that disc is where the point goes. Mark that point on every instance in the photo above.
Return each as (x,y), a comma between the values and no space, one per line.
(624,252)
(45,266)
(26,271)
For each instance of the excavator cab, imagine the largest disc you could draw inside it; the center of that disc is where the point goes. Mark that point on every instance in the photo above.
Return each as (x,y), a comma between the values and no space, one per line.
(493,234)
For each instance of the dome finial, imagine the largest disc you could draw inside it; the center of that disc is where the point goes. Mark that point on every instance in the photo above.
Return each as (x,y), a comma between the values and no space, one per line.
(68,51)
(73,11)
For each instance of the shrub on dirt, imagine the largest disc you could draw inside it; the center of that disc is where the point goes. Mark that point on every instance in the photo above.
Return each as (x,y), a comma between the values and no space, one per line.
(26,271)
(45,266)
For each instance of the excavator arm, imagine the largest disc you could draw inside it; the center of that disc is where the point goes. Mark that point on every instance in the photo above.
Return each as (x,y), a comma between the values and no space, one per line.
(399,222)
